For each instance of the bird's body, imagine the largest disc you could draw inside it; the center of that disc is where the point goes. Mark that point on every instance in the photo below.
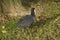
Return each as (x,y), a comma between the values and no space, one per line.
(27,21)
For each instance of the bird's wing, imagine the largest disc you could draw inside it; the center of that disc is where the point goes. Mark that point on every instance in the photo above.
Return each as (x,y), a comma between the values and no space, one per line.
(26,21)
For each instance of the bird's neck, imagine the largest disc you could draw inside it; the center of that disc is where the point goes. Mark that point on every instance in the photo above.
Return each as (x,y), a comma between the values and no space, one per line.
(32,13)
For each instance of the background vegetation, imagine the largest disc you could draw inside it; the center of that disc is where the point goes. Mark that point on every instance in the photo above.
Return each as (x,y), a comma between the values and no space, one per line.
(47,28)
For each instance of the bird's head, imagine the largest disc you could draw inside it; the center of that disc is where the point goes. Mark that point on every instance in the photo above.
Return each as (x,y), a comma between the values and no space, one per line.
(32,11)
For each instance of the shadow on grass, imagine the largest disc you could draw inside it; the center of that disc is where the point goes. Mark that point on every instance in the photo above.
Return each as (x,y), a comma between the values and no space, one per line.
(27,3)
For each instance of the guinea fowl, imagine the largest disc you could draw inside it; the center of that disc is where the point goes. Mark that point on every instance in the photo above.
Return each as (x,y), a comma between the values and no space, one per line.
(28,20)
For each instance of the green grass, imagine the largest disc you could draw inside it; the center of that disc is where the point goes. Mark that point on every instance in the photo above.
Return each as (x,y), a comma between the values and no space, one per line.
(47,31)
